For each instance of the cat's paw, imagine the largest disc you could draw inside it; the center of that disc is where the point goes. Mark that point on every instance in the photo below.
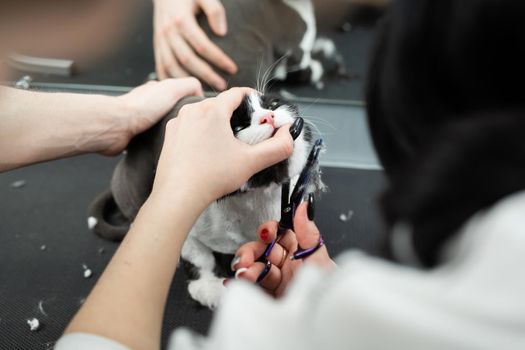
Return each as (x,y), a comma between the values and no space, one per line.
(207,291)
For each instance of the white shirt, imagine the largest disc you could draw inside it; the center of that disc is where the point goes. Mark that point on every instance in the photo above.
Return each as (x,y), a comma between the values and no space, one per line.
(475,300)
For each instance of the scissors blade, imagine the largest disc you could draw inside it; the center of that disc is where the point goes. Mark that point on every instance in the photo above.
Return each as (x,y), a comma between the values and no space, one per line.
(306,175)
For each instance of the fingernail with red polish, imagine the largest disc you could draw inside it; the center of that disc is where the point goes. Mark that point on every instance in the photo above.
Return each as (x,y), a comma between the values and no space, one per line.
(264,234)
(226,282)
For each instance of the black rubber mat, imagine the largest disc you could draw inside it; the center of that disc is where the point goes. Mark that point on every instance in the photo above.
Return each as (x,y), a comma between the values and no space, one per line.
(44,243)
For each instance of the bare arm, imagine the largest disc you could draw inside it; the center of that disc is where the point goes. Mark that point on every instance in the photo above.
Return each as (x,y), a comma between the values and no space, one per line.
(128,301)
(36,127)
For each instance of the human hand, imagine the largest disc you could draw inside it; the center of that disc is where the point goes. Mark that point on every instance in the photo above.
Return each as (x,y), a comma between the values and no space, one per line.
(283,269)
(202,157)
(182,48)
(145,105)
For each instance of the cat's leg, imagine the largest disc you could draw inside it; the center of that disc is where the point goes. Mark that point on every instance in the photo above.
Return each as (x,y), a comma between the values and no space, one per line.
(312,66)
(303,69)
(207,288)
(325,52)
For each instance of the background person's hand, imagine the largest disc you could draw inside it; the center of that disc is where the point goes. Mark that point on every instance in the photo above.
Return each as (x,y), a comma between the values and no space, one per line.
(283,269)
(202,157)
(181,46)
(145,105)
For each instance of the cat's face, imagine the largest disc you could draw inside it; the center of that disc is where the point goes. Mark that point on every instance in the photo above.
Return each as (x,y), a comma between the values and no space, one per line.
(257,119)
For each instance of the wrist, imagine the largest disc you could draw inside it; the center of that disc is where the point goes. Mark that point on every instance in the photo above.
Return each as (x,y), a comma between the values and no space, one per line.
(112,124)
(175,202)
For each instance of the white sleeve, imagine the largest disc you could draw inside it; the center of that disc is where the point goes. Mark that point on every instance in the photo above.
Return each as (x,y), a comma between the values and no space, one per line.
(473,301)
(85,341)
(250,319)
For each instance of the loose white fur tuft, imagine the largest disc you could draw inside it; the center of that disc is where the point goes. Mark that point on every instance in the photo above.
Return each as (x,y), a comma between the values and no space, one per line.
(92,222)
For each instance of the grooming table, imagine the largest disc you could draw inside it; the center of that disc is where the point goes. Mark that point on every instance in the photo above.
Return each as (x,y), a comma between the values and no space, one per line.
(45,241)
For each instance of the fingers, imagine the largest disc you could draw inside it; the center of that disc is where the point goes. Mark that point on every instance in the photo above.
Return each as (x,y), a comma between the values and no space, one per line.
(273,150)
(246,266)
(159,66)
(205,48)
(187,58)
(231,99)
(168,65)
(308,237)
(270,282)
(216,15)
(248,254)
(306,231)
(268,232)
(183,87)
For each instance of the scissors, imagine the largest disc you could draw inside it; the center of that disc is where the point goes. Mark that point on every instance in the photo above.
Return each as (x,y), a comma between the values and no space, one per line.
(289,204)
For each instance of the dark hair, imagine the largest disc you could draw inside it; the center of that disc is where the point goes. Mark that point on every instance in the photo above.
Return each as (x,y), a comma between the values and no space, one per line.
(446,112)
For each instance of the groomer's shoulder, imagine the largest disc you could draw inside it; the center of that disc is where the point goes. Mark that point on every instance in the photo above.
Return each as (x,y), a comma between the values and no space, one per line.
(497,233)
(412,307)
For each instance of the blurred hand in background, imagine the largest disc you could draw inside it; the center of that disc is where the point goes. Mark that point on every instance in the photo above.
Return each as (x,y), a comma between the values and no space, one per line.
(182,48)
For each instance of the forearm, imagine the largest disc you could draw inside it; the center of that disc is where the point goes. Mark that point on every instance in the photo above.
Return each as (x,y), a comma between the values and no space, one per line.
(127,303)
(36,127)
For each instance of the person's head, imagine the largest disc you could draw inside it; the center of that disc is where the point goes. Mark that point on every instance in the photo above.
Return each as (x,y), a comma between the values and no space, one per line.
(69,29)
(447,113)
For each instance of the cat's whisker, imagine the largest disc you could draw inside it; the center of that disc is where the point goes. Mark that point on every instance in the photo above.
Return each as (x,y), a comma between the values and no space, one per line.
(258,79)
(267,77)
(327,130)
(320,121)
(314,128)
(308,106)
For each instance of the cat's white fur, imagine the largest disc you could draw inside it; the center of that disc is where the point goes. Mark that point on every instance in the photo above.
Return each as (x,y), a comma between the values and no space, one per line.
(305,9)
(308,44)
(232,221)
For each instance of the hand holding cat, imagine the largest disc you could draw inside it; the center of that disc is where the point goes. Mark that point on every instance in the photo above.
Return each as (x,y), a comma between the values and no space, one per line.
(147,104)
(181,46)
(283,269)
(57,125)
(202,157)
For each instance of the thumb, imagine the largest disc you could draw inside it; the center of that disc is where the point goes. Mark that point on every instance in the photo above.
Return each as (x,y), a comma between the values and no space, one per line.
(306,230)
(216,15)
(182,87)
(271,151)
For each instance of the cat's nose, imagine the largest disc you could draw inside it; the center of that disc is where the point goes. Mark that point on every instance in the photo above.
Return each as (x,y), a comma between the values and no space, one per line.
(266,119)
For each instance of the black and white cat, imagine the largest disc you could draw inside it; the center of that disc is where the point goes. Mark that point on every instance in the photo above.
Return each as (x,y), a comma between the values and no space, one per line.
(233,220)
(230,221)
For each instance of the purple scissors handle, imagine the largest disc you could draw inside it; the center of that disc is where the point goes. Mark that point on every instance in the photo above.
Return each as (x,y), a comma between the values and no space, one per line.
(290,203)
